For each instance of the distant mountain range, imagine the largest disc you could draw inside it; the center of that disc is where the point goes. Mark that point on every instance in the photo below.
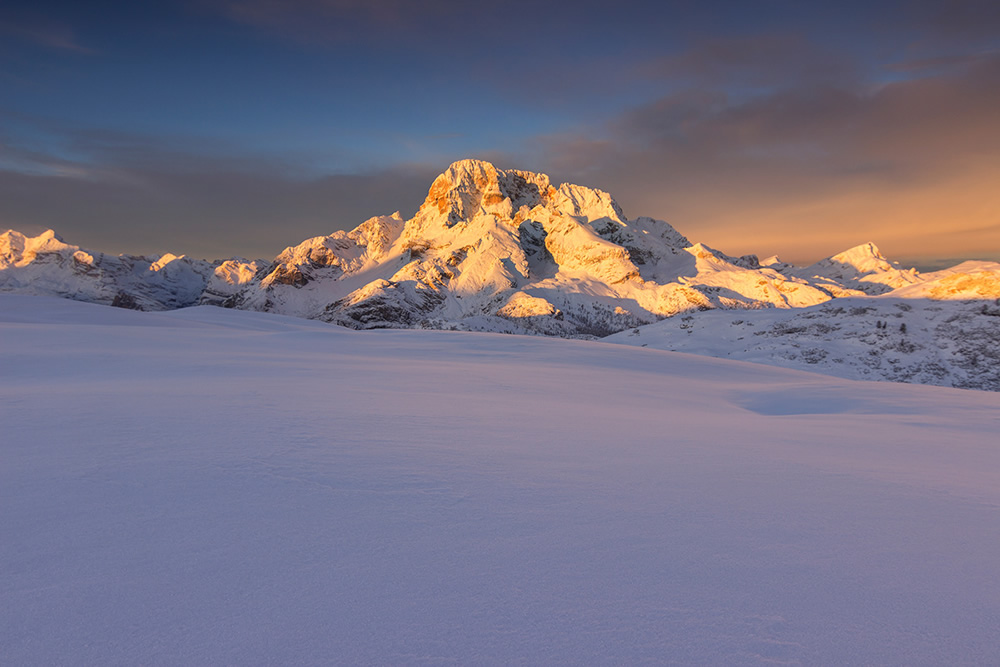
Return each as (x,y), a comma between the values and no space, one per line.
(489,250)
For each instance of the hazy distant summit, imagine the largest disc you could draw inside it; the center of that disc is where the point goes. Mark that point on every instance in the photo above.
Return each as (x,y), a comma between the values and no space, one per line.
(489,250)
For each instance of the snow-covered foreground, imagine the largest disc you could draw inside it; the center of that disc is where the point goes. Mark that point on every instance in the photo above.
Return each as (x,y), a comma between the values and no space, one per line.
(210,486)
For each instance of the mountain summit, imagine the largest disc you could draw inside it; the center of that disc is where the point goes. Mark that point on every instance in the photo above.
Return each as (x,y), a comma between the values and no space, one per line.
(492,249)
(489,250)
(508,250)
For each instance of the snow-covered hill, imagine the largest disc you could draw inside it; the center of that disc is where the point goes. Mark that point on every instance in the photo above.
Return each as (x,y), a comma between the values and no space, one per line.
(208,486)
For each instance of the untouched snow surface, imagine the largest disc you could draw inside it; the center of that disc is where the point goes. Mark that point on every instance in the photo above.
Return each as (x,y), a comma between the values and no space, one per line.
(212,486)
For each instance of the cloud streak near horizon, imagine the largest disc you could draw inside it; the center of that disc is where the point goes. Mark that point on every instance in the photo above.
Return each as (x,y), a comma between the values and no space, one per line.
(241,126)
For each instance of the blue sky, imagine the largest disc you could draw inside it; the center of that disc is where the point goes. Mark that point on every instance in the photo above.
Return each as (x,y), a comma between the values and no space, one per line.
(214,127)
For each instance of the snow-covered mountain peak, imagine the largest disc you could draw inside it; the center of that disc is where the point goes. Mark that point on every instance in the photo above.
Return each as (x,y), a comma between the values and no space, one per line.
(372,238)
(471,187)
(865,258)
(164,260)
(862,269)
(11,247)
(18,249)
(715,258)
(968,280)
(589,203)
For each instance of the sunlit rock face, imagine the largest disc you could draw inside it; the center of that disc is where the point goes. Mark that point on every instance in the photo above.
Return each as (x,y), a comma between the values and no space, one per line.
(489,249)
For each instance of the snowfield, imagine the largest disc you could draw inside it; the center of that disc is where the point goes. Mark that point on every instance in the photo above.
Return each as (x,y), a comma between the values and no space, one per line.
(209,486)
(950,343)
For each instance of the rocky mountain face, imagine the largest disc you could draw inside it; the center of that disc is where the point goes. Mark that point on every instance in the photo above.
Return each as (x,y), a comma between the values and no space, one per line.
(488,250)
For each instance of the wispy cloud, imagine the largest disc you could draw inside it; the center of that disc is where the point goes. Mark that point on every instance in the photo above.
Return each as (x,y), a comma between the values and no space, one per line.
(943,62)
(952,20)
(60,38)
(338,20)
(765,59)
